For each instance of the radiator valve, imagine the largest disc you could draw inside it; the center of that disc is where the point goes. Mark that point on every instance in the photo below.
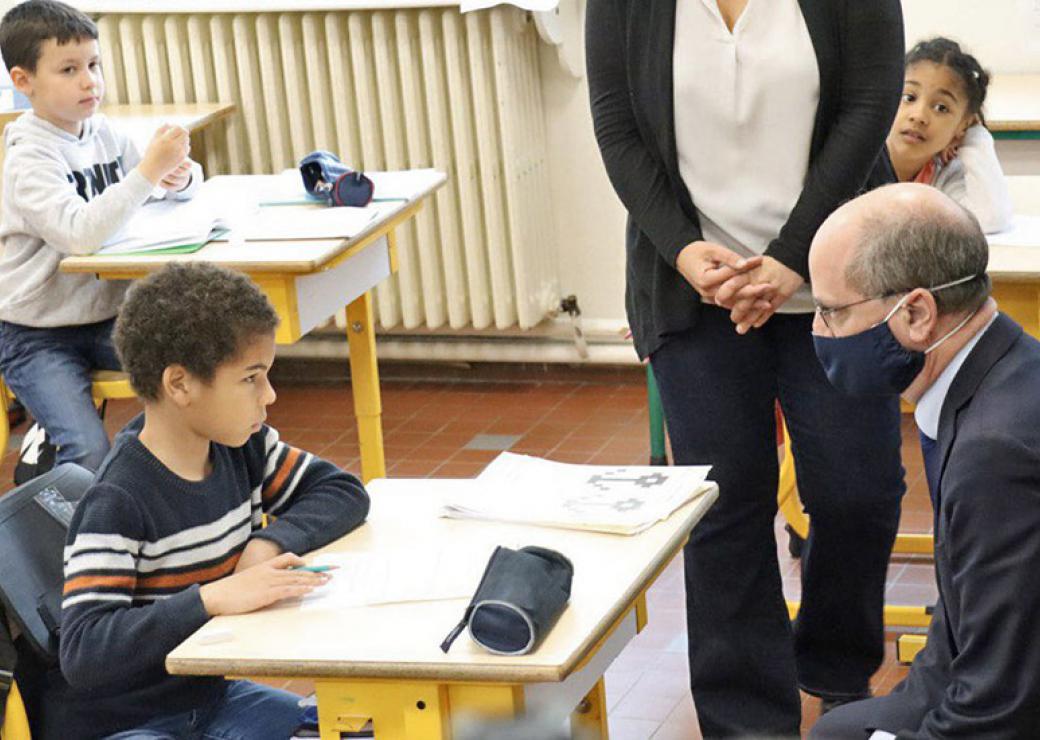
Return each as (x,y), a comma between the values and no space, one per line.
(569,306)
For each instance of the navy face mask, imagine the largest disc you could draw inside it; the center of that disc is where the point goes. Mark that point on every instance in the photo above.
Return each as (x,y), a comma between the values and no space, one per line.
(873,362)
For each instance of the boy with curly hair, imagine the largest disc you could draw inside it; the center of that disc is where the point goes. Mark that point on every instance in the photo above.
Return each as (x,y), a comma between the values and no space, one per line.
(170,533)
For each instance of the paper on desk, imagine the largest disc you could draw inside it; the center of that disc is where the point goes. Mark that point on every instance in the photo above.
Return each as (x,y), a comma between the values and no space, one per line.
(285,188)
(396,576)
(603,498)
(318,222)
(251,191)
(1024,232)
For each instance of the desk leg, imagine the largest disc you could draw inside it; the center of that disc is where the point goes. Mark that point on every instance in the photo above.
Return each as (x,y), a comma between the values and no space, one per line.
(364,380)
(589,720)
(5,423)
(398,710)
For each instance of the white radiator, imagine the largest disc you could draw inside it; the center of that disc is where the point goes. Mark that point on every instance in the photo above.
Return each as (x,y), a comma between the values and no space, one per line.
(387,89)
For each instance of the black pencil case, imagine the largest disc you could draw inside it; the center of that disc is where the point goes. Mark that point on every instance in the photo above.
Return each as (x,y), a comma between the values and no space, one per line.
(521,595)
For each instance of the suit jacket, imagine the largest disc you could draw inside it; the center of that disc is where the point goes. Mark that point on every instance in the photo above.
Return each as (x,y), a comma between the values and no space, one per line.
(859,52)
(979,675)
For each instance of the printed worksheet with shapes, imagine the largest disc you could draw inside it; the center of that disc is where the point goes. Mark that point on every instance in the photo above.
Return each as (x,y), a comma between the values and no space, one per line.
(605,498)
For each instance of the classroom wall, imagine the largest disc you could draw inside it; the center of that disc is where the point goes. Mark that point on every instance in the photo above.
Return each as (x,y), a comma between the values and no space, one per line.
(1004,34)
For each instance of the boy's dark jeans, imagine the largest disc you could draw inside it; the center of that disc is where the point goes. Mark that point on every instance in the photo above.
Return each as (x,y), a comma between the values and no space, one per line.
(49,371)
(746,660)
(248,711)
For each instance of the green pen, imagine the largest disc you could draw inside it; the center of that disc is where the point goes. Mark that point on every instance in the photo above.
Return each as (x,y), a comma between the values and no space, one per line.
(313,568)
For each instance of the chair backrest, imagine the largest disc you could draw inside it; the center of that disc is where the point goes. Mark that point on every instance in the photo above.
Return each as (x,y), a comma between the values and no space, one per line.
(16,721)
(34,522)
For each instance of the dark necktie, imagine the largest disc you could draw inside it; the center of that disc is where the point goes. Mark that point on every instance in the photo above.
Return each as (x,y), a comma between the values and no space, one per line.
(930,451)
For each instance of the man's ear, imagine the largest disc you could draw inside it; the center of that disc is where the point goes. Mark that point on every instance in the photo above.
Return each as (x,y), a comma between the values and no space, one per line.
(179,385)
(921,316)
(22,80)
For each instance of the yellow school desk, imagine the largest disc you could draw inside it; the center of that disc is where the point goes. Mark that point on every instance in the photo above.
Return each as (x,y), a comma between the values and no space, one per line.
(1013,106)
(383,662)
(307,281)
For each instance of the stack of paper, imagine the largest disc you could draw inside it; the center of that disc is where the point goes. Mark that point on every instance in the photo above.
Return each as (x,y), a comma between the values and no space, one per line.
(601,498)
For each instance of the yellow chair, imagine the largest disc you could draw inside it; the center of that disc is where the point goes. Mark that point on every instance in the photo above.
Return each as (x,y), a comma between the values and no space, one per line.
(798,521)
(16,723)
(107,385)
(791,507)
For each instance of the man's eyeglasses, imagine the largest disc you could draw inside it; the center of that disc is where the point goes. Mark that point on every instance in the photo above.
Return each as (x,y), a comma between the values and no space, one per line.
(824,312)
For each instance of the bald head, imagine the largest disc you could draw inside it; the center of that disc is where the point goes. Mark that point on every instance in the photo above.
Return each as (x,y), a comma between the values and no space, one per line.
(897,238)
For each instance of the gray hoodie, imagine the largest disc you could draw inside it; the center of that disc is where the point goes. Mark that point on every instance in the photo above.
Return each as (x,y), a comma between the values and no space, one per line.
(63,195)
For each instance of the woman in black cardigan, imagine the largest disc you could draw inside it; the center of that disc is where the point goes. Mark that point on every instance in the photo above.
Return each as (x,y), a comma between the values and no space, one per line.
(723,204)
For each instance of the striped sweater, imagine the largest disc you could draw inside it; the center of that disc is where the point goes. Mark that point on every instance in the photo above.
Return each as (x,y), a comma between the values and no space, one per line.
(144,540)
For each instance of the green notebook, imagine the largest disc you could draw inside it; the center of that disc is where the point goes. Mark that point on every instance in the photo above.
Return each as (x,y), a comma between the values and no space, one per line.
(214,235)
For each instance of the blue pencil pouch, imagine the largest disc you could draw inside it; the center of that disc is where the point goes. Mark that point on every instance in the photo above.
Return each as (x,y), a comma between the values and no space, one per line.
(326,177)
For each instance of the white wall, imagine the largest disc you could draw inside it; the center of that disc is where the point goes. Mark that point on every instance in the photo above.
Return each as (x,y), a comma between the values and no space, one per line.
(1003,34)
(589,219)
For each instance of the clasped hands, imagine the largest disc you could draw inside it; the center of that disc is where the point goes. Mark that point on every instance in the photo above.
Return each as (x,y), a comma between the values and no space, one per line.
(752,288)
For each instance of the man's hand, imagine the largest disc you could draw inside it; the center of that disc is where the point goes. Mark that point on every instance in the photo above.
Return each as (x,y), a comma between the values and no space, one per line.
(257,550)
(262,585)
(754,297)
(168,148)
(706,266)
(179,178)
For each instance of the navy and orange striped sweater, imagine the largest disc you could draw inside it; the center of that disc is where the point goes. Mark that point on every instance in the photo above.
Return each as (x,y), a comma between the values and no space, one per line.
(144,540)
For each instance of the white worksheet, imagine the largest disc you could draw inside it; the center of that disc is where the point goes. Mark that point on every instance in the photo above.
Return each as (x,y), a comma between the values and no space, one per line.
(395,576)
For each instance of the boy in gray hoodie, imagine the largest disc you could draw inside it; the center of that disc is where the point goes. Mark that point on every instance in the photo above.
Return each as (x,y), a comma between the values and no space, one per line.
(70,182)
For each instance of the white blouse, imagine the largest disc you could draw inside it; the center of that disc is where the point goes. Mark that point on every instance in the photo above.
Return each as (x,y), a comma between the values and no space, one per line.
(745,106)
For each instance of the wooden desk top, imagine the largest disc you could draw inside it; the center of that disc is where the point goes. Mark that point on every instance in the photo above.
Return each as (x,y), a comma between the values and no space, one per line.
(190,115)
(1013,103)
(401,640)
(295,256)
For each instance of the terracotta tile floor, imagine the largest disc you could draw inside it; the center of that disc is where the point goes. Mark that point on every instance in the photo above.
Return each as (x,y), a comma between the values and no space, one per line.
(570,417)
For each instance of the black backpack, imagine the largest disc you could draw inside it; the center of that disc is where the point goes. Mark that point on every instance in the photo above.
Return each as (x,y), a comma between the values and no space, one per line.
(34,524)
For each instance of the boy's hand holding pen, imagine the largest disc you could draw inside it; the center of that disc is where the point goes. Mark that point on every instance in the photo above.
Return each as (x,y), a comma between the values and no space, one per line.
(284,577)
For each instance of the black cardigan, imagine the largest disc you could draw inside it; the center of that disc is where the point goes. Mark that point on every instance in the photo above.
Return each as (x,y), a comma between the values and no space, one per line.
(859,52)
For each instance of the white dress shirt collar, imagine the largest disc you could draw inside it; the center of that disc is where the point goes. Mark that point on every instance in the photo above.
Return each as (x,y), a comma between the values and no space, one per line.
(929,406)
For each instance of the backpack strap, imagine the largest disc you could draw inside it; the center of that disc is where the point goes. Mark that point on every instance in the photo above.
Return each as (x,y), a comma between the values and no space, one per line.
(8,658)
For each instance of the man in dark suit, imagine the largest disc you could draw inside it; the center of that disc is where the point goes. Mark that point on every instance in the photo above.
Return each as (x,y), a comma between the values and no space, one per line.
(903,305)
